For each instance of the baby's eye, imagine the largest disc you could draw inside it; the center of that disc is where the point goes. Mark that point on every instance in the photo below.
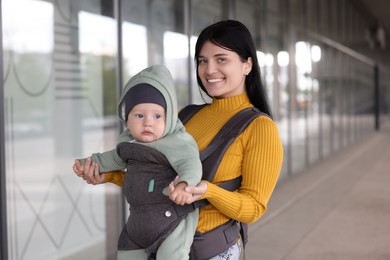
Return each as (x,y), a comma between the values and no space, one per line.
(139,115)
(157,116)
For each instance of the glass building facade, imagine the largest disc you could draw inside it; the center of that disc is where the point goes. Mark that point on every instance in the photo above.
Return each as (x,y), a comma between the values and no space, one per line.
(65,62)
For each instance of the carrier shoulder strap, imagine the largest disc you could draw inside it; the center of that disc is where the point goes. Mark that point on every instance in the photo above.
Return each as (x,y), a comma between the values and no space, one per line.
(187,112)
(212,155)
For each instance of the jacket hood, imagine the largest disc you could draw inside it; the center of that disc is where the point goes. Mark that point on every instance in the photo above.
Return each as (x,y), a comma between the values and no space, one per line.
(159,77)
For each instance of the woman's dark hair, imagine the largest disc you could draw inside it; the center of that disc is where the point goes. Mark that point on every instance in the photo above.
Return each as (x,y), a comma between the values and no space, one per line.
(234,36)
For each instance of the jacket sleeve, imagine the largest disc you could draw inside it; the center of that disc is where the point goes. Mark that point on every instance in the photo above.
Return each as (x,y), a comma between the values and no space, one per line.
(262,156)
(182,153)
(109,161)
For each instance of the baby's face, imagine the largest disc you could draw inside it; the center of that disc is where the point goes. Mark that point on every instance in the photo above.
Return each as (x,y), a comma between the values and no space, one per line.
(146,122)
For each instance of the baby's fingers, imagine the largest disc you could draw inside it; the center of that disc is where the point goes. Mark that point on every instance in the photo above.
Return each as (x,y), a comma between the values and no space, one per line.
(176,180)
(171,192)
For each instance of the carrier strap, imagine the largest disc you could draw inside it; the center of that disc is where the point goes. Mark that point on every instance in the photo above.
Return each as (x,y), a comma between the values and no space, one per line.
(189,111)
(212,155)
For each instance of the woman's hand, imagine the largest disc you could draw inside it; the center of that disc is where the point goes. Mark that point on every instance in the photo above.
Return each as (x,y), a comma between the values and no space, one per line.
(89,171)
(197,191)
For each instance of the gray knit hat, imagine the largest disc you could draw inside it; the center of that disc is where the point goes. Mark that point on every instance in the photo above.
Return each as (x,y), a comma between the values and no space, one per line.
(143,93)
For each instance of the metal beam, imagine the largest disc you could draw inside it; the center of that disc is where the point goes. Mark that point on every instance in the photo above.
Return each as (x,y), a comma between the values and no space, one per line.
(3,192)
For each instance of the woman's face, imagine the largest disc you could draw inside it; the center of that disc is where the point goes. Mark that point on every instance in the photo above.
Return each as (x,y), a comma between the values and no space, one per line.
(222,71)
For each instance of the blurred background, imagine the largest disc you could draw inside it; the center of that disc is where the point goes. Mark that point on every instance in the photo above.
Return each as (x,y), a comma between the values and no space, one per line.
(325,65)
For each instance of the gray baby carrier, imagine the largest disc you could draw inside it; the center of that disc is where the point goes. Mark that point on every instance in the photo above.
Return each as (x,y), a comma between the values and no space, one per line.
(153,216)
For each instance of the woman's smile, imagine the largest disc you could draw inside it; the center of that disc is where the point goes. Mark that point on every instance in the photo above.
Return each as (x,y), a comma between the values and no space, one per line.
(222,71)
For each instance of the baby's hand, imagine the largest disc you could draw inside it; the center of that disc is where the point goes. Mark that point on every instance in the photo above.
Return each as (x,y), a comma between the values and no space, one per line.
(178,194)
(78,168)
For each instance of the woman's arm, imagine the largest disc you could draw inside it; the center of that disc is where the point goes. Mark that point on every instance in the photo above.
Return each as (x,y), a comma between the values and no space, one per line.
(260,170)
(262,155)
(115,177)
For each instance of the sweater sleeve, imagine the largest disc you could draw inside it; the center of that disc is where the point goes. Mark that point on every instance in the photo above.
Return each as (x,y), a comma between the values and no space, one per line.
(260,169)
(115,177)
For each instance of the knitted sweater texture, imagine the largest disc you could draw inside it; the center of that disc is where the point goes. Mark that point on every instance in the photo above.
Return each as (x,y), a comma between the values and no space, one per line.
(256,154)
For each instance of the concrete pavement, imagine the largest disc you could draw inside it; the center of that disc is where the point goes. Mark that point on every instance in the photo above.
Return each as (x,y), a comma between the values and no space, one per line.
(338,209)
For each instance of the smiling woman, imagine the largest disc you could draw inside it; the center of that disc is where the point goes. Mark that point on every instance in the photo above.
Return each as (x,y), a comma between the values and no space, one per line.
(222,70)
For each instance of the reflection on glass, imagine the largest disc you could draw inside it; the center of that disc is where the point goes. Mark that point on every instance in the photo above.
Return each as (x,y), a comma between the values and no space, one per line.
(97,34)
(54,78)
(176,54)
(198,96)
(269,60)
(283,58)
(175,46)
(315,53)
(261,59)
(135,49)
(269,75)
(303,57)
(32,36)
(304,68)
(28,64)
(175,58)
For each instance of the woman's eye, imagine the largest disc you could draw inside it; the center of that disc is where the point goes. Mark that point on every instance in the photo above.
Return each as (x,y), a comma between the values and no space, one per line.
(202,61)
(221,60)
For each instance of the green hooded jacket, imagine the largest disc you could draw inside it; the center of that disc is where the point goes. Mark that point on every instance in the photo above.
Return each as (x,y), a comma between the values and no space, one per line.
(176,144)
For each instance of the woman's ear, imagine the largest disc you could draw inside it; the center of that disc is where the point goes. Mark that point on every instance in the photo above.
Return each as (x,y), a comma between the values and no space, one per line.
(248,65)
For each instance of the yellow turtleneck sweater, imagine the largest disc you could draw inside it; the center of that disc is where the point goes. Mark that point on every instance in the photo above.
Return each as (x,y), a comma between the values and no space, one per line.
(256,154)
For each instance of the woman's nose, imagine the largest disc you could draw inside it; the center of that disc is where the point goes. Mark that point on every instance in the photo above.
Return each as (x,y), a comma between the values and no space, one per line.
(211,68)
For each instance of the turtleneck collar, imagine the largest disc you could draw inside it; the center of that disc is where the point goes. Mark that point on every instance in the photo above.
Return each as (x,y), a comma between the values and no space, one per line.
(232,103)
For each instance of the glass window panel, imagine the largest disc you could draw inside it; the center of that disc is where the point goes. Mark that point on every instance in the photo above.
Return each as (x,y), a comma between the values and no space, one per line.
(59,66)
(326,103)
(153,33)
(264,22)
(135,51)
(312,95)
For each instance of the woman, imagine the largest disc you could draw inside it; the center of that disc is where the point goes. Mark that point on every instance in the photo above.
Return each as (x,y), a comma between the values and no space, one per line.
(228,72)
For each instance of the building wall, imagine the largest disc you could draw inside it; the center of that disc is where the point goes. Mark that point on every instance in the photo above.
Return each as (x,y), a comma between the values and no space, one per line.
(65,62)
